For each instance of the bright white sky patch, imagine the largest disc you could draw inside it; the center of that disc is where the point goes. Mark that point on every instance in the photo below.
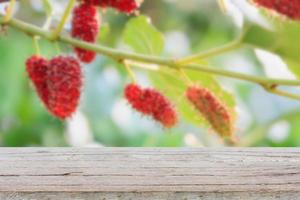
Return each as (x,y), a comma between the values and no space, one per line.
(191,140)
(78,131)
(122,114)
(279,131)
(180,40)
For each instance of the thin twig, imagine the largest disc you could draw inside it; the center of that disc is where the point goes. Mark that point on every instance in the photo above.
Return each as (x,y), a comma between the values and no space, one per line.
(63,19)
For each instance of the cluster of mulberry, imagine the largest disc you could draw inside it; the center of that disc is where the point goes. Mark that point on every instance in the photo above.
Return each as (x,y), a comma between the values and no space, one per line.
(58,83)
(151,103)
(288,8)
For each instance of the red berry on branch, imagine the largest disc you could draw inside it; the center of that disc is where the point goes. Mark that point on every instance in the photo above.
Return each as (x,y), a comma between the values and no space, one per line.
(37,67)
(212,110)
(161,108)
(57,82)
(151,103)
(64,81)
(126,6)
(166,116)
(135,96)
(288,8)
(85,26)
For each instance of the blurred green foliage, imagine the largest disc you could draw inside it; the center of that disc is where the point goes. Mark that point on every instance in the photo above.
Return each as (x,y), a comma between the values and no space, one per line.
(25,122)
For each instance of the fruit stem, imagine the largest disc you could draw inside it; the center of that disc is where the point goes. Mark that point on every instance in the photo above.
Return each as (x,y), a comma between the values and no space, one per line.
(275,90)
(63,20)
(57,47)
(185,77)
(210,53)
(129,71)
(36,45)
(9,11)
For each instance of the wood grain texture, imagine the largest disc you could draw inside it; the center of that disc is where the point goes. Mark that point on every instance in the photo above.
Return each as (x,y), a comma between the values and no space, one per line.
(149,173)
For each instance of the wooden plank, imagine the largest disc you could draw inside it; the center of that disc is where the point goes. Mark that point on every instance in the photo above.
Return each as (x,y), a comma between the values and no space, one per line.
(149,173)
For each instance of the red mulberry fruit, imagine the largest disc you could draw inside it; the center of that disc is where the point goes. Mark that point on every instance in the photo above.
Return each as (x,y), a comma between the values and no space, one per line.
(37,68)
(212,109)
(134,95)
(64,81)
(85,26)
(151,103)
(288,8)
(126,6)
(161,108)
(57,82)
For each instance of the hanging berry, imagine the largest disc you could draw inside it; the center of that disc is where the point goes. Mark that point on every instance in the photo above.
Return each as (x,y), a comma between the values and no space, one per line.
(151,103)
(135,96)
(161,108)
(37,68)
(212,109)
(126,6)
(288,8)
(85,26)
(64,82)
(58,83)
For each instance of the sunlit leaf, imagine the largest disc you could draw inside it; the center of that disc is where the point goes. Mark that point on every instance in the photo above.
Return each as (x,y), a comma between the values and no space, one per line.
(283,41)
(143,37)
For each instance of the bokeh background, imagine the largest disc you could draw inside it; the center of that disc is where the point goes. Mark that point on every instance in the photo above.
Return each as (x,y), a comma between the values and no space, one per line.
(105,119)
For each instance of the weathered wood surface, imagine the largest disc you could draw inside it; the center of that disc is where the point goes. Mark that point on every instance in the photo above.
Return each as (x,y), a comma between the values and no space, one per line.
(149,173)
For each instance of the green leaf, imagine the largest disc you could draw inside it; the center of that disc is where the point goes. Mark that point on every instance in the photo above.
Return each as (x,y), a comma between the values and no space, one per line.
(104,32)
(283,41)
(143,37)
(294,66)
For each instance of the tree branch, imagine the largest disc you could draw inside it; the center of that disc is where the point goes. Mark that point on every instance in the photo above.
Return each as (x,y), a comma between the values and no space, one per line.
(279,92)
(163,62)
(212,52)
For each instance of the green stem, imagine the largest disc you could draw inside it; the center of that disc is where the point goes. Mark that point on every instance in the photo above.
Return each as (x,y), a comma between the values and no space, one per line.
(163,62)
(284,94)
(185,77)
(9,11)
(130,72)
(57,47)
(36,45)
(63,20)
(245,77)
(212,52)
